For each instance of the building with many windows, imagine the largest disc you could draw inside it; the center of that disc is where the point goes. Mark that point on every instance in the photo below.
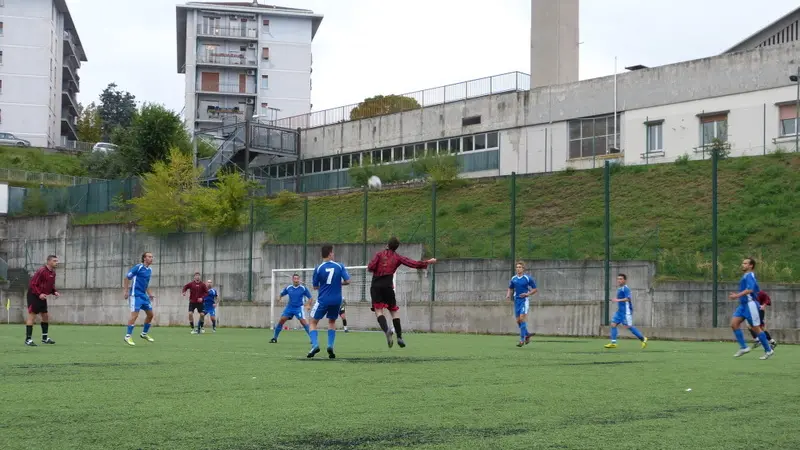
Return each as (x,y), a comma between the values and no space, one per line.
(743,98)
(244,54)
(40,55)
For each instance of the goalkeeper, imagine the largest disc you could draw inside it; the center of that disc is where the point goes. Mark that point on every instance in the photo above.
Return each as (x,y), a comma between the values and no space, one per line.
(383,266)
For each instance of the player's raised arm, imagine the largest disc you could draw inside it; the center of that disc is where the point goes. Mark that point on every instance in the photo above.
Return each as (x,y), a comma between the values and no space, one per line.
(414,264)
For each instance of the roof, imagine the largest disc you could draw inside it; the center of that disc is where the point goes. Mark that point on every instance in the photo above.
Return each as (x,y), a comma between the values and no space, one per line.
(757,38)
(69,25)
(252,7)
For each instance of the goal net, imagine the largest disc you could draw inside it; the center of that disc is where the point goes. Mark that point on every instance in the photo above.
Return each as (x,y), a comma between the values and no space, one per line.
(356,297)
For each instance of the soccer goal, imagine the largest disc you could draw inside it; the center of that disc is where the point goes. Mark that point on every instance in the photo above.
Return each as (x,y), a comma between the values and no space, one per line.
(357,292)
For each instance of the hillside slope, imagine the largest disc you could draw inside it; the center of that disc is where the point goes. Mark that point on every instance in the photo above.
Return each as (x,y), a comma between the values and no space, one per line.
(36,160)
(659,212)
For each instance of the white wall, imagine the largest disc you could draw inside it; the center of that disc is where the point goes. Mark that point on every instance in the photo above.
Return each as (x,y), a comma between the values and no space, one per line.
(289,65)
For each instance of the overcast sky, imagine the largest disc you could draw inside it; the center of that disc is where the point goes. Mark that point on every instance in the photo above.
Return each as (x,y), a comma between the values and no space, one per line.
(370,47)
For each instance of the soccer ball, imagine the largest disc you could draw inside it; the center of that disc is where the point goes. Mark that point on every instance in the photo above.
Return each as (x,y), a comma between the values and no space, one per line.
(374,182)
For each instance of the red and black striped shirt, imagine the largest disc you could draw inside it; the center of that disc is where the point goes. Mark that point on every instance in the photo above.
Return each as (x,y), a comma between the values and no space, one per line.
(43,282)
(385,263)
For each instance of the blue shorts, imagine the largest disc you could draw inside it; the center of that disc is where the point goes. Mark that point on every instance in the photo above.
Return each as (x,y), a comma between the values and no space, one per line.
(749,312)
(623,317)
(521,306)
(329,310)
(292,312)
(139,303)
(210,310)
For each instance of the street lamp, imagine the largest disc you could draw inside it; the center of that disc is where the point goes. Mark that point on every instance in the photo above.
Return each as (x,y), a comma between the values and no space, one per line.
(796,79)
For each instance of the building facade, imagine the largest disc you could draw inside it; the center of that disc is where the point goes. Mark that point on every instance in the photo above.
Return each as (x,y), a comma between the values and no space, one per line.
(244,54)
(40,56)
(555,42)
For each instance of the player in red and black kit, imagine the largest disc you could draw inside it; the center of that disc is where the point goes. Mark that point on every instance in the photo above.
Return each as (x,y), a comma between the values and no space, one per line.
(763,300)
(383,266)
(197,291)
(41,285)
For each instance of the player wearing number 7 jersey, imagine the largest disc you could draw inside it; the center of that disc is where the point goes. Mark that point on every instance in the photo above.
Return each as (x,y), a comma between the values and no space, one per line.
(329,277)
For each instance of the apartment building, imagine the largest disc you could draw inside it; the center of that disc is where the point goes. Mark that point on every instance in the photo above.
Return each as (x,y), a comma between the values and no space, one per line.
(40,56)
(240,54)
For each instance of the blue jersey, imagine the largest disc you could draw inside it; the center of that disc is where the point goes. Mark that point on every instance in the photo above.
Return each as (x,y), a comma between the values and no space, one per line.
(748,281)
(328,278)
(297,295)
(210,298)
(521,285)
(624,292)
(140,280)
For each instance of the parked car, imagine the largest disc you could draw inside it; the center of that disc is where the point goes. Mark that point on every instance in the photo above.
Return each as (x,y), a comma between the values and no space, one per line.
(104,147)
(10,139)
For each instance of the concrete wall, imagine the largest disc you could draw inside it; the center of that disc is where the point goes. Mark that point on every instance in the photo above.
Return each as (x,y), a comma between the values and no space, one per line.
(554,42)
(469,294)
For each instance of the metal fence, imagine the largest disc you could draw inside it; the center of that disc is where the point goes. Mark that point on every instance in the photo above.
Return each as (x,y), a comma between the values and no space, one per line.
(98,197)
(497,84)
(24,176)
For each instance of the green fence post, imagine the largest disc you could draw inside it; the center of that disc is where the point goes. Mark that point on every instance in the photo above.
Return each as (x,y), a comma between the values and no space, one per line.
(364,261)
(432,269)
(250,256)
(513,221)
(305,232)
(607,233)
(714,249)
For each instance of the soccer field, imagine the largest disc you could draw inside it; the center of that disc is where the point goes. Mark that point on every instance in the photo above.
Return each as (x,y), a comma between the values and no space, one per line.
(233,390)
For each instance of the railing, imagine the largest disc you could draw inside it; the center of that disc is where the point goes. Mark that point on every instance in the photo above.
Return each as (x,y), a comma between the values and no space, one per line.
(70,86)
(224,154)
(73,71)
(76,145)
(228,60)
(23,176)
(227,88)
(72,100)
(231,32)
(70,44)
(497,84)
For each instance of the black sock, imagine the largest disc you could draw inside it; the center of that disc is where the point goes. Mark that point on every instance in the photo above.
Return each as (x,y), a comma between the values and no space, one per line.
(213,322)
(382,323)
(769,338)
(45,327)
(191,324)
(397,328)
(344,322)
(199,324)
(753,333)
(28,331)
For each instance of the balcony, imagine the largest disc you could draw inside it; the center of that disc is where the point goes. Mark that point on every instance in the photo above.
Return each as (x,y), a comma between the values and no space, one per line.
(69,101)
(237,33)
(227,59)
(244,89)
(70,86)
(220,114)
(69,125)
(69,45)
(71,72)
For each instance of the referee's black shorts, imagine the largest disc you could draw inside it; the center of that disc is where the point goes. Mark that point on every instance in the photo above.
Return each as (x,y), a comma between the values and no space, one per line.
(35,304)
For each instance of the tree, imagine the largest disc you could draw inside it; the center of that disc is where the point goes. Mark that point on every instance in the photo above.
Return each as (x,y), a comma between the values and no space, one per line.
(170,191)
(224,208)
(90,127)
(380,105)
(156,130)
(117,109)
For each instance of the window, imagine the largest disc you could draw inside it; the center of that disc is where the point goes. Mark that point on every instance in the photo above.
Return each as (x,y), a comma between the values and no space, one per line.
(1,116)
(431,148)
(1,57)
(387,155)
(264,109)
(480,141)
(455,145)
(655,137)
(326,164)
(376,157)
(408,152)
(788,115)
(419,150)
(273,171)
(443,146)
(398,154)
(713,127)
(264,81)
(265,26)
(337,163)
(467,143)
(265,53)
(592,136)
(307,167)
(1,28)
(290,169)
(492,140)
(317,165)
(1,86)
(282,171)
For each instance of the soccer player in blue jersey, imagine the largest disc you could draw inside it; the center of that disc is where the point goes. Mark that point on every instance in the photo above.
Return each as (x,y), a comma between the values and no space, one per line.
(522,286)
(298,293)
(329,277)
(748,310)
(137,291)
(624,315)
(209,308)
